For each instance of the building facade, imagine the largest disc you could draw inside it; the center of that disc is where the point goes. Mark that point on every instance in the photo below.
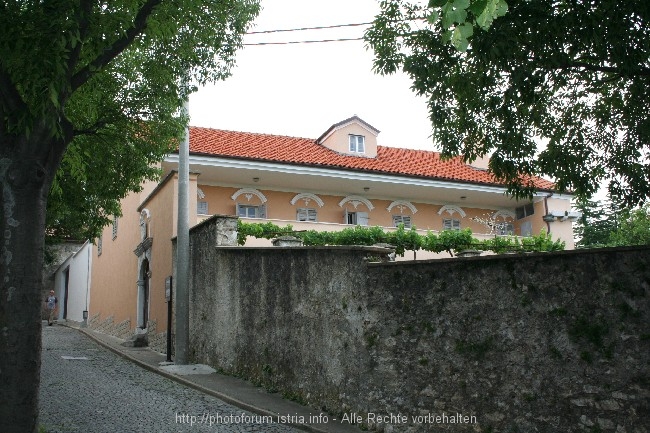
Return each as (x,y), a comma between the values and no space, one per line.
(341,179)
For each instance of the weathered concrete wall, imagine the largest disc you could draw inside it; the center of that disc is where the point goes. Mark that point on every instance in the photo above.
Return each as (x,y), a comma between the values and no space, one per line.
(532,343)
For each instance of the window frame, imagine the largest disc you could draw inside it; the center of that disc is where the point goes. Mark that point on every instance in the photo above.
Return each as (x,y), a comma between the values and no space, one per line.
(199,205)
(356,218)
(505,228)
(454,224)
(357,143)
(308,212)
(526,229)
(115,222)
(407,224)
(525,211)
(260,211)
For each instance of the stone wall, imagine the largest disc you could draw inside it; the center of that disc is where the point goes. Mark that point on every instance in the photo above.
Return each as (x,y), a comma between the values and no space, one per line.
(109,326)
(549,342)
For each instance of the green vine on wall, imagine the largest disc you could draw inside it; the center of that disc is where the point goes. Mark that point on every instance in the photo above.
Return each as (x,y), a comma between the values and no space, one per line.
(403,239)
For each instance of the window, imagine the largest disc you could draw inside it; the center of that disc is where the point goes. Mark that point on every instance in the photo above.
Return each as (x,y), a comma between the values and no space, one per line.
(202,208)
(247,211)
(306,214)
(357,144)
(114,227)
(450,224)
(402,219)
(504,228)
(527,228)
(99,246)
(525,211)
(356,218)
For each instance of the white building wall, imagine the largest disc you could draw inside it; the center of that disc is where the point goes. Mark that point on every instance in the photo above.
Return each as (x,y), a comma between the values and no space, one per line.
(78,268)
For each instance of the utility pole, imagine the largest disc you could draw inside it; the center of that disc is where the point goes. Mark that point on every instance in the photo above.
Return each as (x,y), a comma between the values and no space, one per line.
(183,247)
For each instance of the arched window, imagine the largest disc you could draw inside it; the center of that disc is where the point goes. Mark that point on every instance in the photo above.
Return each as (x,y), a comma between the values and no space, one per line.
(356,216)
(253,207)
(308,211)
(450,221)
(402,213)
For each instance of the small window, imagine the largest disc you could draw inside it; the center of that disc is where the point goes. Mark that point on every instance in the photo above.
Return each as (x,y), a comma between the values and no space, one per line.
(504,229)
(202,208)
(247,211)
(527,228)
(356,218)
(306,214)
(99,246)
(357,144)
(451,224)
(114,227)
(402,219)
(525,211)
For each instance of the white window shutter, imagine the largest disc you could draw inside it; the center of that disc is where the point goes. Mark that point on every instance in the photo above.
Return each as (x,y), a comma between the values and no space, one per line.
(362,218)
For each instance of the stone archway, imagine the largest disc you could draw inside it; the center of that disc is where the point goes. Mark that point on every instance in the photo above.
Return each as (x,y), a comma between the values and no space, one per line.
(143,251)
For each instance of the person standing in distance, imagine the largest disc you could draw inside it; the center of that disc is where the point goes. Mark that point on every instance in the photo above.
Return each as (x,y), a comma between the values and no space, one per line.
(50,305)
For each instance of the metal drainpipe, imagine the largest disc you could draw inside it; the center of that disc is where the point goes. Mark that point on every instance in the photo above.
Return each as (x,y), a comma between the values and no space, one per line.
(548,223)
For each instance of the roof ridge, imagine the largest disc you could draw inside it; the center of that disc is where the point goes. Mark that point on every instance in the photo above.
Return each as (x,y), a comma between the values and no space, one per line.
(408,149)
(252,133)
(266,134)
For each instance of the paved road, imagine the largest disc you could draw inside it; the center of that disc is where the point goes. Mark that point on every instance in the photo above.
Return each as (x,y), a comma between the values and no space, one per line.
(86,388)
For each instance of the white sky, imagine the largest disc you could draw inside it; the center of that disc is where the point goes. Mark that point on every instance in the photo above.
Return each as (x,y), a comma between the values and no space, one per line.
(302,89)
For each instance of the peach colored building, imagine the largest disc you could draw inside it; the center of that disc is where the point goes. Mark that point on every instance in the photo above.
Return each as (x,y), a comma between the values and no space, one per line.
(340,179)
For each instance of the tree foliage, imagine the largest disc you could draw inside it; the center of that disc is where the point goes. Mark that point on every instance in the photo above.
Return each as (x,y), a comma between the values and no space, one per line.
(573,75)
(90,94)
(634,228)
(607,225)
(596,223)
(107,76)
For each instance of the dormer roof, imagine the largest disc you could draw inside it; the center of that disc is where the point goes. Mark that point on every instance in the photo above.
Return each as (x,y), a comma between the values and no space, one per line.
(342,124)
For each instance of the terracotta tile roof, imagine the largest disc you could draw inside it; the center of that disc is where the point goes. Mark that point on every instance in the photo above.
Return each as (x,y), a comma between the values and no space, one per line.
(305,151)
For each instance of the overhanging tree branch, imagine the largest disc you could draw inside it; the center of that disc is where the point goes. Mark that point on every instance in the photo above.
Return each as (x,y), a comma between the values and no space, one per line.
(139,24)
(607,69)
(84,12)
(10,98)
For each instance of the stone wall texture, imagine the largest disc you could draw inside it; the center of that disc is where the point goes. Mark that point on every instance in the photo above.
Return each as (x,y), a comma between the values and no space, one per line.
(549,342)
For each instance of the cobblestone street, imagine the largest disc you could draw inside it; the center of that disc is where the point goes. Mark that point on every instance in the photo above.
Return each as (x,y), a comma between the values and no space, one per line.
(86,388)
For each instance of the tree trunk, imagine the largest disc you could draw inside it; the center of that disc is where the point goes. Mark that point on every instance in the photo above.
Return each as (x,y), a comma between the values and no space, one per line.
(25,185)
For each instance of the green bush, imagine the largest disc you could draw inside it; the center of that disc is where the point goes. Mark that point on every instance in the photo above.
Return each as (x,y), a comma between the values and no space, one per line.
(451,241)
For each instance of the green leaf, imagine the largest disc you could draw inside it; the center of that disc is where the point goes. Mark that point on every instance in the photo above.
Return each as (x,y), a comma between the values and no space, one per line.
(466,30)
(478,6)
(433,17)
(461,4)
(460,35)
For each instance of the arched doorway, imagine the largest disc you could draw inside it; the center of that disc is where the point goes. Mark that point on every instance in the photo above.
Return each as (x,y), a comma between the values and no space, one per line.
(143,295)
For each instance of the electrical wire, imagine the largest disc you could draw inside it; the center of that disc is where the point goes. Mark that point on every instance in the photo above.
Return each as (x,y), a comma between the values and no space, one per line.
(303,42)
(303,29)
(308,28)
